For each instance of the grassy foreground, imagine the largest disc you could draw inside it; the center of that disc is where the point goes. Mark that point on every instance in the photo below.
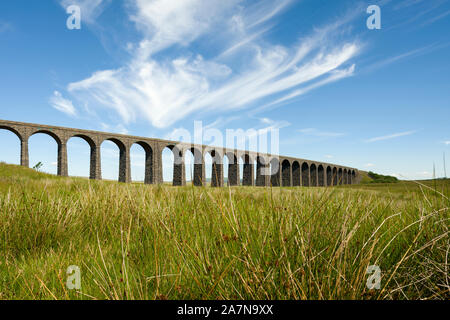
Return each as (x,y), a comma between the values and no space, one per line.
(159,242)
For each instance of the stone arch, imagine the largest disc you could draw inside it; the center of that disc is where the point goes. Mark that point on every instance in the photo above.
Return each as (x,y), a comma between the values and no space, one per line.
(353,176)
(149,175)
(233,169)
(23,158)
(305,174)
(313,175)
(248,175)
(296,174)
(340,176)
(240,169)
(225,164)
(262,170)
(62,169)
(335,177)
(11,129)
(321,176)
(275,172)
(329,176)
(286,177)
(86,138)
(179,176)
(349,176)
(117,142)
(166,165)
(344,178)
(93,153)
(198,178)
(124,159)
(189,161)
(50,133)
(217,168)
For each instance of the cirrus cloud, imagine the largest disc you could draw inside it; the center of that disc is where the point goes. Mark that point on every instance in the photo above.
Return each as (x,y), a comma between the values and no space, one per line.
(246,70)
(58,102)
(390,136)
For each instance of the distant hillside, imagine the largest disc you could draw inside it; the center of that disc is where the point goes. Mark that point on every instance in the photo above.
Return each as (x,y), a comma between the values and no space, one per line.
(372,177)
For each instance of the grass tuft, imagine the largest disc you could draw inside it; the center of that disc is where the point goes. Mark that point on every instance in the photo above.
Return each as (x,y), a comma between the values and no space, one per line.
(133,241)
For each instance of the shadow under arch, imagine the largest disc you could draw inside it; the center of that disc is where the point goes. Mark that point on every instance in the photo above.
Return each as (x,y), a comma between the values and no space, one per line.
(275,172)
(286,173)
(313,175)
(321,176)
(194,166)
(199,179)
(329,176)
(233,169)
(335,177)
(296,174)
(262,170)
(305,175)
(217,168)
(349,177)
(248,171)
(340,176)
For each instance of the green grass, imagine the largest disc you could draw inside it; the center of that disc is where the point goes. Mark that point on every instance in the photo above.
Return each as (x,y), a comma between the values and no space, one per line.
(133,241)
(378,178)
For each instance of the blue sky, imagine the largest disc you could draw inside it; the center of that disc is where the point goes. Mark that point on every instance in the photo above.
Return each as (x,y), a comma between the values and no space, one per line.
(338,92)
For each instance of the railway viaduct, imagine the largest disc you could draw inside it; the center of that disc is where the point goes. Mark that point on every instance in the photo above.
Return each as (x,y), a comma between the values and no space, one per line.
(271,170)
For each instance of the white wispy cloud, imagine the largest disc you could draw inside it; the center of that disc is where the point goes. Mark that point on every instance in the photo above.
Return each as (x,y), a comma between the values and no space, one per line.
(269,125)
(244,41)
(405,4)
(333,76)
(164,88)
(58,102)
(369,165)
(168,22)
(409,54)
(318,133)
(438,17)
(391,136)
(417,10)
(447,143)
